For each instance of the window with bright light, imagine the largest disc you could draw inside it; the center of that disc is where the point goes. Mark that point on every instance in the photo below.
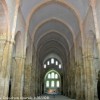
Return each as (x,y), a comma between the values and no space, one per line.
(59,66)
(52,80)
(52,83)
(56,62)
(58,84)
(44,65)
(52,61)
(48,63)
(52,75)
(47,83)
(49,76)
(56,76)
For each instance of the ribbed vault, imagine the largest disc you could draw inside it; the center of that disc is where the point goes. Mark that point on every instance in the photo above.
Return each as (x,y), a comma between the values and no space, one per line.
(53,27)
(50,45)
(54,34)
(53,43)
(51,11)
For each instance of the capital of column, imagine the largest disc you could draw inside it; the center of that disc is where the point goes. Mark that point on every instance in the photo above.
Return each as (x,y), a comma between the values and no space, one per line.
(28,64)
(10,41)
(93,3)
(90,57)
(21,57)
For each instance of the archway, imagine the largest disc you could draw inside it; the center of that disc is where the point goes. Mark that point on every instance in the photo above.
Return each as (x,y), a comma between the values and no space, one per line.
(52,82)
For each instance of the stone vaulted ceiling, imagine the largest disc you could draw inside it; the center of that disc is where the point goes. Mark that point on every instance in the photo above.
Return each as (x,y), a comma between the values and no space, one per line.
(54,24)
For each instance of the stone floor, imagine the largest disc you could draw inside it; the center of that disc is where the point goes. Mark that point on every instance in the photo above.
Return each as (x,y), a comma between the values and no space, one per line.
(57,97)
(51,97)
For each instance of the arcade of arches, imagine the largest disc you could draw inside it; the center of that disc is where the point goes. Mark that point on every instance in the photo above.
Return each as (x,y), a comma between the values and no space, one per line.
(50,46)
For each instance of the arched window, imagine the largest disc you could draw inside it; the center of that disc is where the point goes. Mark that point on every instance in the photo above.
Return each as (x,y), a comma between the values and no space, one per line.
(45,66)
(49,76)
(52,79)
(56,62)
(57,84)
(56,76)
(52,75)
(48,63)
(59,66)
(52,83)
(52,61)
(47,83)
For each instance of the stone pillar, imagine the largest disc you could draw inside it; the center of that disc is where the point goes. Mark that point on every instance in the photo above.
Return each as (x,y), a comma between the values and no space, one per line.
(63,84)
(82,82)
(66,81)
(66,86)
(69,83)
(89,88)
(89,69)
(27,80)
(33,81)
(40,87)
(39,84)
(73,95)
(19,77)
(36,82)
(78,83)
(68,77)
(72,82)
(7,58)
(5,68)
(69,87)
(33,74)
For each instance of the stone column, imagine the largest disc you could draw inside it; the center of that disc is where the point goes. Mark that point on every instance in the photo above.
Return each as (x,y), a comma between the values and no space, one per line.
(78,83)
(33,81)
(89,69)
(36,82)
(41,87)
(39,83)
(72,79)
(73,83)
(19,77)
(82,82)
(7,58)
(69,89)
(68,78)
(69,85)
(33,74)
(27,80)
(5,68)
(89,88)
